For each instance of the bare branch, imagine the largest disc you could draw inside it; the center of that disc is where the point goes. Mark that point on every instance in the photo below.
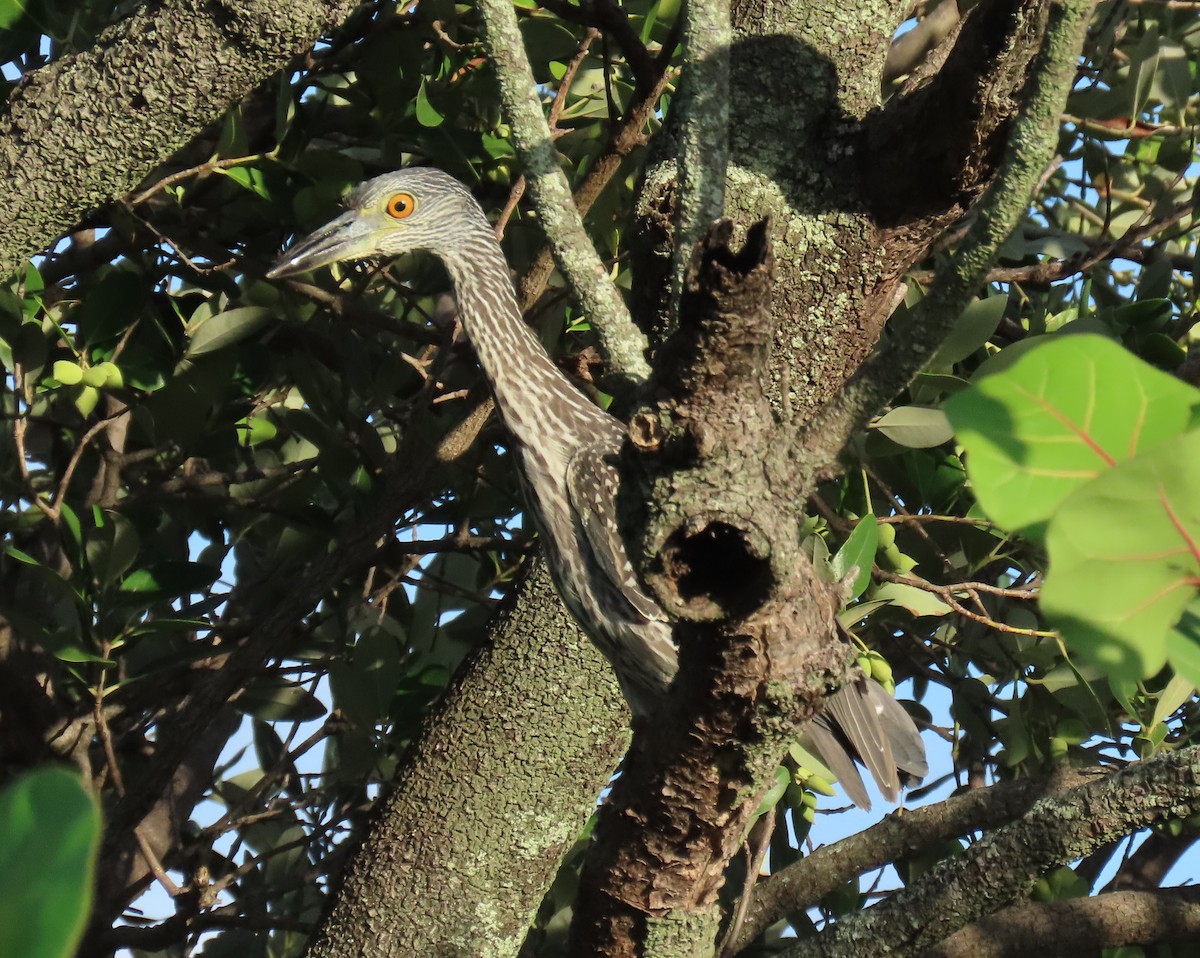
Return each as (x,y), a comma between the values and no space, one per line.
(623,343)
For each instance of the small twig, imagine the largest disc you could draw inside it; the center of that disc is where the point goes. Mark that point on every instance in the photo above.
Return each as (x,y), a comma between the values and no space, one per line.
(450,396)
(96,428)
(20,423)
(755,851)
(918,517)
(514,197)
(440,32)
(947,593)
(210,166)
(564,85)
(102,729)
(186,260)
(155,866)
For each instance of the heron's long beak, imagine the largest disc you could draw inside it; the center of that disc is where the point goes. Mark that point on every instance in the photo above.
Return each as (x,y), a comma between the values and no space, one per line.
(351,236)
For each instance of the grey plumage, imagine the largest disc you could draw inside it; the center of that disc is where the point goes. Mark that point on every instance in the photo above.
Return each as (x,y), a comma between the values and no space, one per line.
(566,448)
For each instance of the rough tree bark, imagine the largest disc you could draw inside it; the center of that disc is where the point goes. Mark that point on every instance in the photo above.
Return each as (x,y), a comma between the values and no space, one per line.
(87,128)
(852,204)
(491,797)
(846,241)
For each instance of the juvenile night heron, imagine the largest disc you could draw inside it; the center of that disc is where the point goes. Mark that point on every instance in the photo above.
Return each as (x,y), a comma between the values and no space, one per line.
(566,447)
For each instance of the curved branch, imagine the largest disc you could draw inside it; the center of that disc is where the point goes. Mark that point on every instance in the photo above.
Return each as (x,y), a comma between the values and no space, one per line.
(802,885)
(1004,865)
(1080,926)
(907,51)
(959,273)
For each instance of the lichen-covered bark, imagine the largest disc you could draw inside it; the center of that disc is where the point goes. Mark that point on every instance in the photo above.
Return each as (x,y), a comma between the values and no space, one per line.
(758,648)
(791,160)
(841,251)
(89,127)
(463,848)
(1004,865)
(856,192)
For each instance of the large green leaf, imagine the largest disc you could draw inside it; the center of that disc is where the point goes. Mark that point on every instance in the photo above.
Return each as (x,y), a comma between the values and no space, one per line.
(1125,559)
(10,12)
(1065,412)
(49,835)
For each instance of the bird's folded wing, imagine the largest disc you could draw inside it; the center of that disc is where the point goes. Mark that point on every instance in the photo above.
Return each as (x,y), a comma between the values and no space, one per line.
(907,748)
(593,481)
(820,739)
(857,713)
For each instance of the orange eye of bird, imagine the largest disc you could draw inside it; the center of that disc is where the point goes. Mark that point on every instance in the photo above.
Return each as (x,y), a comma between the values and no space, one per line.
(401,205)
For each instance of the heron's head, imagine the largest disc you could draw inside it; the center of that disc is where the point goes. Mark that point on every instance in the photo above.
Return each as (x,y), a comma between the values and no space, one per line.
(414,209)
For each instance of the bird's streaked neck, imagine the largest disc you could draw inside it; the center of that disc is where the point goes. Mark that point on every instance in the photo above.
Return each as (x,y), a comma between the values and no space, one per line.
(538,402)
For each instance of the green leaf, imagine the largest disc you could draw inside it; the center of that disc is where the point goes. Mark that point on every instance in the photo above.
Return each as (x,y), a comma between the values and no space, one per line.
(257,430)
(844,900)
(275,699)
(426,114)
(171,579)
(1173,84)
(858,551)
(110,305)
(364,686)
(234,140)
(1063,413)
(1178,691)
(771,797)
(10,12)
(250,178)
(1141,72)
(1183,644)
(49,836)
(974,328)
(1117,593)
(87,400)
(67,372)
(917,427)
(917,601)
(225,329)
(111,548)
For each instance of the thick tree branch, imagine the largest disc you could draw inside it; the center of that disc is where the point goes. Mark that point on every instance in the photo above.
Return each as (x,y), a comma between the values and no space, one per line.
(87,128)
(1004,865)
(490,783)
(1146,868)
(1080,926)
(933,149)
(125,874)
(802,885)
(960,273)
(907,51)
(719,547)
